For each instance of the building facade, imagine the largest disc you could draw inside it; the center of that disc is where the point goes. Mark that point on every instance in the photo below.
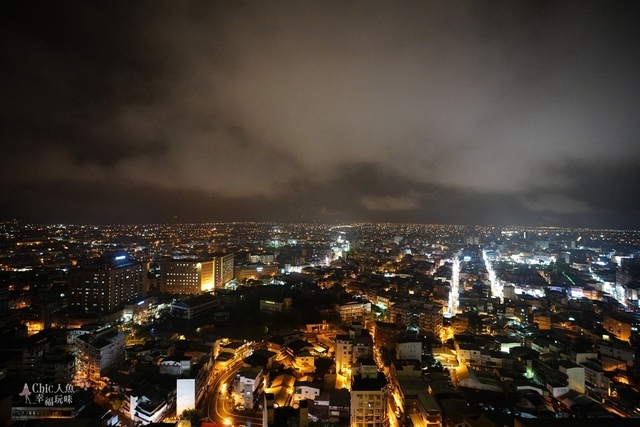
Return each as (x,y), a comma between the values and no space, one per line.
(344,350)
(255,271)
(352,310)
(275,306)
(369,398)
(186,276)
(196,307)
(107,283)
(98,352)
(222,269)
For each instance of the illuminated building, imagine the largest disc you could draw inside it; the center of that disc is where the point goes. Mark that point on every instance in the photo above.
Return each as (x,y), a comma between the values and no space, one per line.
(106,284)
(222,269)
(150,405)
(350,348)
(306,390)
(254,271)
(369,398)
(594,374)
(352,310)
(186,276)
(543,321)
(430,319)
(362,348)
(98,352)
(343,353)
(621,325)
(575,375)
(247,384)
(265,258)
(419,406)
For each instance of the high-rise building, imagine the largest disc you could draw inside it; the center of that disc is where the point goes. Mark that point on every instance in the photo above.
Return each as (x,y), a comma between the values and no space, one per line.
(98,352)
(222,269)
(106,283)
(189,275)
(386,335)
(430,319)
(186,275)
(343,353)
(369,398)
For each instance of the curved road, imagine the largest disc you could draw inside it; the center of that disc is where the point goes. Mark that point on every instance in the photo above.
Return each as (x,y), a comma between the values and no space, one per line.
(218,406)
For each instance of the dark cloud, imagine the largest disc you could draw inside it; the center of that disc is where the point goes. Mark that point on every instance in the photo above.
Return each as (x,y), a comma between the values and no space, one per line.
(455,112)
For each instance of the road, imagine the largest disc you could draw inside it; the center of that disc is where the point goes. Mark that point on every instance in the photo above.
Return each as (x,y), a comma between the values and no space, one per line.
(218,406)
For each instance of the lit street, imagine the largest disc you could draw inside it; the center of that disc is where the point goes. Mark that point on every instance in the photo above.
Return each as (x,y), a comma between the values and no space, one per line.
(219,409)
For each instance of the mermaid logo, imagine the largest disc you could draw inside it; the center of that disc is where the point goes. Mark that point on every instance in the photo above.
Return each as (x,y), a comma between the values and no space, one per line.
(25,393)
(47,394)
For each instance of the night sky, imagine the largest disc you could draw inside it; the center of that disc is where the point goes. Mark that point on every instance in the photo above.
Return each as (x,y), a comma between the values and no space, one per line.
(458,112)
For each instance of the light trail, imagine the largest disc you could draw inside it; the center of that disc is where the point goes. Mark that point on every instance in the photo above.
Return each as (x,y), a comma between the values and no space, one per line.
(452,306)
(497,287)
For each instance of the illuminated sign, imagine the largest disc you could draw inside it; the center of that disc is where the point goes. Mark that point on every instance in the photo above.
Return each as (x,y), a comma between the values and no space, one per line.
(120,257)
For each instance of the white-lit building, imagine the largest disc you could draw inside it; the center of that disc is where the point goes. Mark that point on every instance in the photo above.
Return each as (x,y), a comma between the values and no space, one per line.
(98,352)
(150,405)
(575,375)
(248,382)
(306,390)
(409,350)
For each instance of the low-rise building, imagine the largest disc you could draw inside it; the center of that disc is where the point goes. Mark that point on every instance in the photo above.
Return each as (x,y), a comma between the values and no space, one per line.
(407,348)
(306,390)
(248,382)
(196,307)
(352,310)
(275,305)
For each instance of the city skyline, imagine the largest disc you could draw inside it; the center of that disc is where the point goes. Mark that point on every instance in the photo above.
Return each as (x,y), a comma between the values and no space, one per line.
(496,113)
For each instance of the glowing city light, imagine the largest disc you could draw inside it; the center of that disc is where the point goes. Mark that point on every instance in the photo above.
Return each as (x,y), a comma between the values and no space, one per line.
(497,287)
(452,306)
